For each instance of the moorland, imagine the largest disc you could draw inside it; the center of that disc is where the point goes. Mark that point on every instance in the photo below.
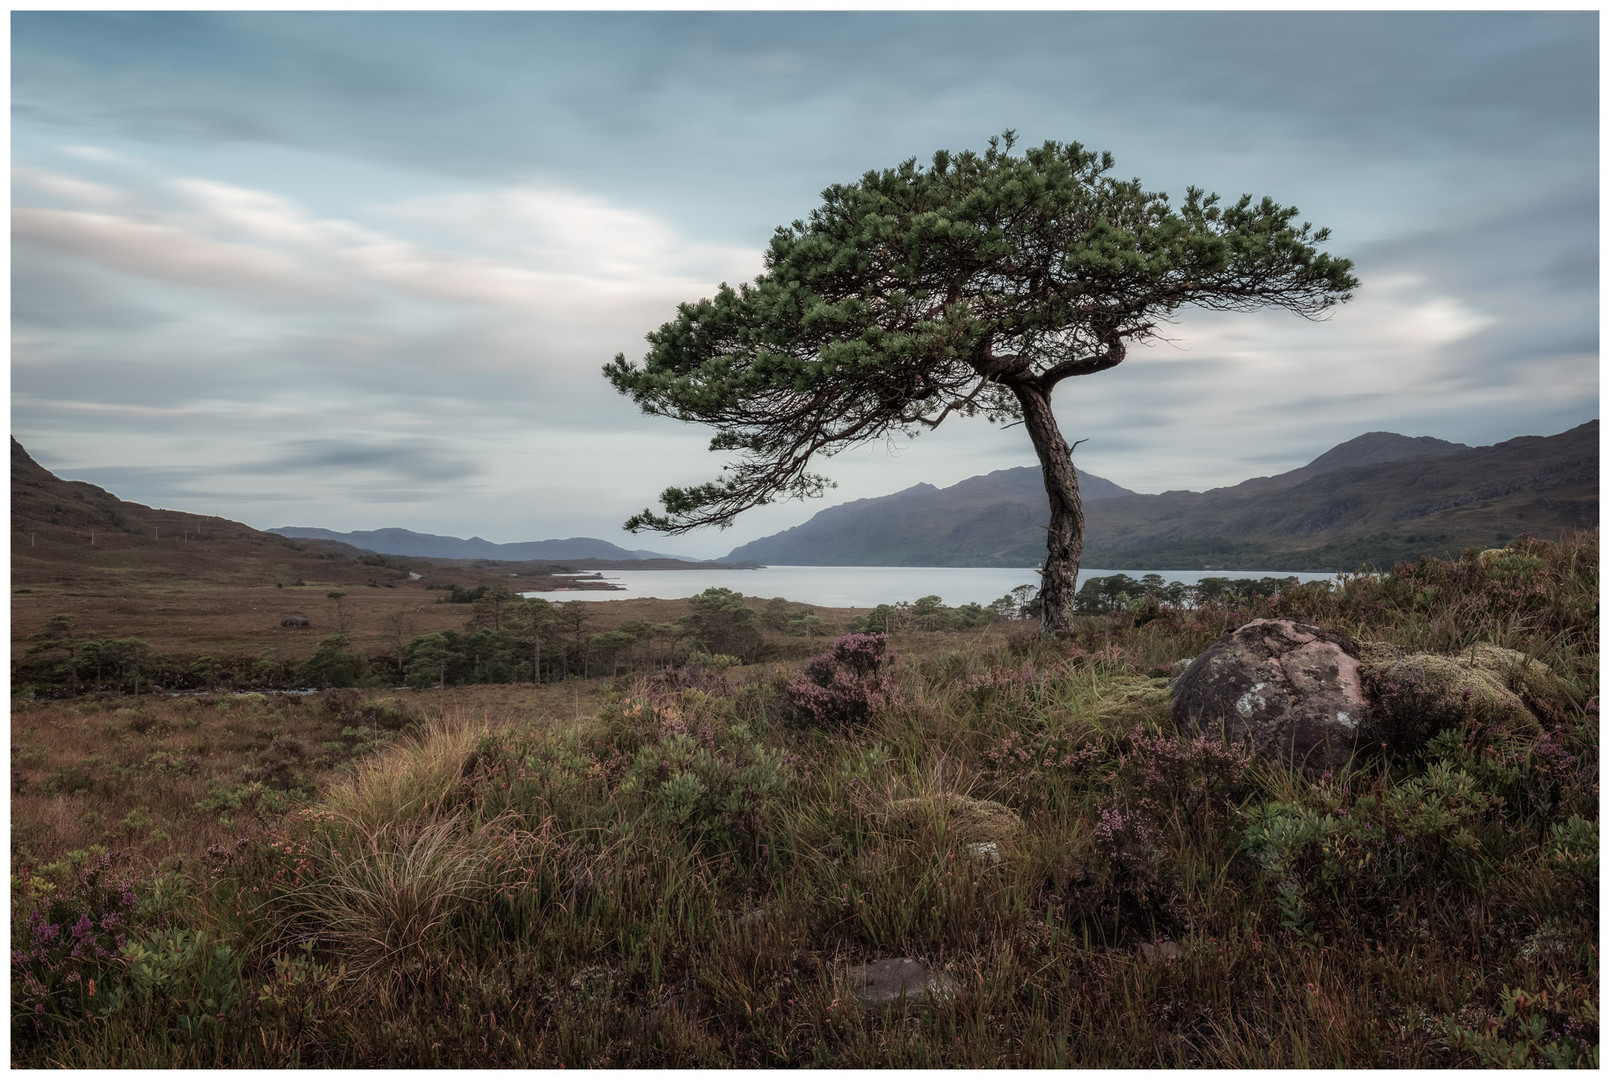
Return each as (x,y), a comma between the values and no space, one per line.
(680,850)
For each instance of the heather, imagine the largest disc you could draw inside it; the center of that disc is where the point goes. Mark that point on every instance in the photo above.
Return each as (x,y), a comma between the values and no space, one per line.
(676,866)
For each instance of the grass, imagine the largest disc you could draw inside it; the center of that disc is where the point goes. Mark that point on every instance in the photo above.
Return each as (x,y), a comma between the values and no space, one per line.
(674,872)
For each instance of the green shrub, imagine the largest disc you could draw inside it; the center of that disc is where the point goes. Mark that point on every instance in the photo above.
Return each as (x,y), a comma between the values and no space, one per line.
(718,790)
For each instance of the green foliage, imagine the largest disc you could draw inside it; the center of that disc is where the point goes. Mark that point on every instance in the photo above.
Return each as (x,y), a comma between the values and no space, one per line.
(1557,1027)
(925,613)
(720,791)
(918,292)
(722,623)
(333,663)
(253,796)
(457,594)
(182,979)
(806,624)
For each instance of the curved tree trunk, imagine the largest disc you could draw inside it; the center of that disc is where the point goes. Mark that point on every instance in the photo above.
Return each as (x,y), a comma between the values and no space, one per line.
(1065,537)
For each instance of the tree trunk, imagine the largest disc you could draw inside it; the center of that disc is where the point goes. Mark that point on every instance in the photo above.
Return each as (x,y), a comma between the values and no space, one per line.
(1065,537)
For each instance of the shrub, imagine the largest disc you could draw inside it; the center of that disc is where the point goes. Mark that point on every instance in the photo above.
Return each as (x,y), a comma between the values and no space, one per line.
(333,663)
(806,624)
(65,944)
(845,687)
(721,622)
(1557,1026)
(719,789)
(1368,861)
(380,893)
(180,978)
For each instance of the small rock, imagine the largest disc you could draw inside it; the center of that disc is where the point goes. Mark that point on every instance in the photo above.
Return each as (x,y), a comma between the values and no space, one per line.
(1161,952)
(900,981)
(986,851)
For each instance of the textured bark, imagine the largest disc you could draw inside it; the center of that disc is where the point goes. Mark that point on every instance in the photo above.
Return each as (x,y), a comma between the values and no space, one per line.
(1065,536)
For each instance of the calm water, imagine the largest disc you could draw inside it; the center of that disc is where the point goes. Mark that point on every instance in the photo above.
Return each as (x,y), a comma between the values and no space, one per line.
(862,586)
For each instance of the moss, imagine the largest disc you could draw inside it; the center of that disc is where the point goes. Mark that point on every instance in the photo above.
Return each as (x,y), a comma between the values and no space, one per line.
(973,820)
(1129,702)
(1416,695)
(1548,696)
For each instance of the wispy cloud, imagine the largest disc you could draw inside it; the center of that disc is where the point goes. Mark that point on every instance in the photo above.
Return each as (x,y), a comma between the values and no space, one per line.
(168,253)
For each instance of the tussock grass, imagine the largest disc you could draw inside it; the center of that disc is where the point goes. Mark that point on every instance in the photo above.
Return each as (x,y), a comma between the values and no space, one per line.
(414,781)
(386,894)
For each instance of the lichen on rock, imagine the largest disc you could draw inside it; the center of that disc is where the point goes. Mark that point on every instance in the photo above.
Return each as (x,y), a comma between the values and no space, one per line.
(1307,696)
(1291,690)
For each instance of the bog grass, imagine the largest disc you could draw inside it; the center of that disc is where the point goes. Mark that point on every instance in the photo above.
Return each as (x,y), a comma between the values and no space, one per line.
(680,871)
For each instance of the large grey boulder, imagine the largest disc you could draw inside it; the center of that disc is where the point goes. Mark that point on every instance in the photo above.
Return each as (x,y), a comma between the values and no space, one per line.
(1292,691)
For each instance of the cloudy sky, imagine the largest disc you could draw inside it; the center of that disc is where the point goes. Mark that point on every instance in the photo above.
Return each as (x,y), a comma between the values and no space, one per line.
(362,270)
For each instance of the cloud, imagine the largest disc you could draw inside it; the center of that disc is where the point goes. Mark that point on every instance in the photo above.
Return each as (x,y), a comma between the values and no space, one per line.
(60,186)
(431,461)
(543,251)
(586,235)
(168,253)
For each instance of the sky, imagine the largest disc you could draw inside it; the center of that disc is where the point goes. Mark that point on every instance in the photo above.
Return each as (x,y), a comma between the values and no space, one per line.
(362,270)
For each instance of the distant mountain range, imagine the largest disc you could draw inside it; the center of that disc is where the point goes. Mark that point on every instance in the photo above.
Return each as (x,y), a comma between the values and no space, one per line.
(981,521)
(427,545)
(1376,499)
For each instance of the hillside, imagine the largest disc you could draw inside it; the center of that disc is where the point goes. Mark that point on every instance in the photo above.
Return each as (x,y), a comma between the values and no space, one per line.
(427,545)
(1375,499)
(977,522)
(67,531)
(191,584)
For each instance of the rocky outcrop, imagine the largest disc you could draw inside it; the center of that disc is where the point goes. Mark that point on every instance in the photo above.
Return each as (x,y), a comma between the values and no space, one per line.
(1290,690)
(1306,696)
(1415,695)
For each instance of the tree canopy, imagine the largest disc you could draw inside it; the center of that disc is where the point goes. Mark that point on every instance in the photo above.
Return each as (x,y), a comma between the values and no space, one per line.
(973,285)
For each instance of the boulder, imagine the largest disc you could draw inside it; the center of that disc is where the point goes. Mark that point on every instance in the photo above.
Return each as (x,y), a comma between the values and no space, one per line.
(1290,690)
(1548,696)
(1303,695)
(1416,695)
(901,981)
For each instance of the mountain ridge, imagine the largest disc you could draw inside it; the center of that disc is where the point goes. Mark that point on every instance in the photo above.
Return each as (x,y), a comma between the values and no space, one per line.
(1377,498)
(399,541)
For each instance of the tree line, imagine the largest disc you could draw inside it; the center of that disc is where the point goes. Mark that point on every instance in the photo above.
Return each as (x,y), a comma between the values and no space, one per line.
(507,638)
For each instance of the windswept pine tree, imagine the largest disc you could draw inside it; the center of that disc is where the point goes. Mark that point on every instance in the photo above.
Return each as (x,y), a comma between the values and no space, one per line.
(975,285)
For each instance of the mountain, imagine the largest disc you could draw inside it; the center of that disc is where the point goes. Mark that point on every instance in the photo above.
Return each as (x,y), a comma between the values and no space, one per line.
(977,522)
(426,545)
(1375,499)
(73,538)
